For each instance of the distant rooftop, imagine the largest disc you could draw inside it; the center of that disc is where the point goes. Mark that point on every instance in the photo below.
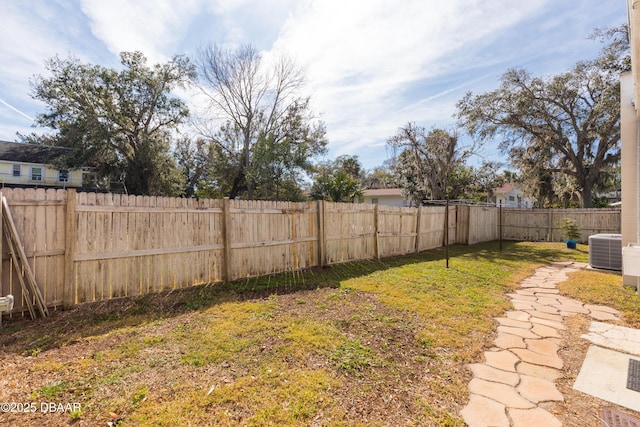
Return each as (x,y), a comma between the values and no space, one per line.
(378,192)
(31,153)
(506,188)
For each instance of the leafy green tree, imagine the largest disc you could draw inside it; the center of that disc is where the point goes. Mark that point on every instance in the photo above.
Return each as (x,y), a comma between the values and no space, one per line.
(565,125)
(194,157)
(338,180)
(428,162)
(381,177)
(263,133)
(121,122)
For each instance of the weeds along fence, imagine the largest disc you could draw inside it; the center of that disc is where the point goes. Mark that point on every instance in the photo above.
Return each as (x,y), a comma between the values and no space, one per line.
(545,224)
(85,247)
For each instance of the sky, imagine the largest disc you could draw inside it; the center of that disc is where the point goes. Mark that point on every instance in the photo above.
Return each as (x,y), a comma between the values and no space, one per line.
(372,66)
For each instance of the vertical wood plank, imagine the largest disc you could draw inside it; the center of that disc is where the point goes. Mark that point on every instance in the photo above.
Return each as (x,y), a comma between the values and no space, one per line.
(69,297)
(226,240)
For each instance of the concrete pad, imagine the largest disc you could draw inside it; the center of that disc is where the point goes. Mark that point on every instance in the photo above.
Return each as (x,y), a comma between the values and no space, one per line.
(620,338)
(604,375)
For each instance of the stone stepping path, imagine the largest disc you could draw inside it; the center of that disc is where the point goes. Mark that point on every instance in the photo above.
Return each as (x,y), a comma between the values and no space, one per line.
(519,372)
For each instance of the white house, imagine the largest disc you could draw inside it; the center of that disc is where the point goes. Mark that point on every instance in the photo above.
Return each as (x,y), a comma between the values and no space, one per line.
(630,141)
(510,196)
(386,197)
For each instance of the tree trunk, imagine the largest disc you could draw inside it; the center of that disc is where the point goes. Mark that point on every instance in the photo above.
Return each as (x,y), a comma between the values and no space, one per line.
(586,196)
(237,183)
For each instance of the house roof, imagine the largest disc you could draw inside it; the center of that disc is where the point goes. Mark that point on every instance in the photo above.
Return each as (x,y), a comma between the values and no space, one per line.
(31,153)
(506,188)
(381,192)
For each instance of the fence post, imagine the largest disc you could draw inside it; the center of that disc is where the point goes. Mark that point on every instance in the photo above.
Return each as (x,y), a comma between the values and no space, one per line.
(226,239)
(550,221)
(446,231)
(376,248)
(500,223)
(418,220)
(69,290)
(322,239)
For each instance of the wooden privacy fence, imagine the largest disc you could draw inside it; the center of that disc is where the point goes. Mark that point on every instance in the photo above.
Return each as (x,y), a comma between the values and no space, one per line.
(544,224)
(86,247)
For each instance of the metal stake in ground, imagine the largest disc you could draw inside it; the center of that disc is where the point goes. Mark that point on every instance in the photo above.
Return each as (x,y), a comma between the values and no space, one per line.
(446,231)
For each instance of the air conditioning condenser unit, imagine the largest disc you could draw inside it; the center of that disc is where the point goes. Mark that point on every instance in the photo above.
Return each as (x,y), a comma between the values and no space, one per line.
(605,251)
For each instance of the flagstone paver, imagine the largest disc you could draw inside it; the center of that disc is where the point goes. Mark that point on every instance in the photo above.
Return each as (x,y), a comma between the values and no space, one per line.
(532,417)
(518,315)
(544,331)
(538,371)
(538,390)
(519,372)
(499,392)
(486,372)
(482,411)
(504,360)
(507,341)
(534,358)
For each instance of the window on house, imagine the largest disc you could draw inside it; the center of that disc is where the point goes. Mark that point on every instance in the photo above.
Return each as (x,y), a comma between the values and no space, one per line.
(512,198)
(374,200)
(63,176)
(36,174)
(17,170)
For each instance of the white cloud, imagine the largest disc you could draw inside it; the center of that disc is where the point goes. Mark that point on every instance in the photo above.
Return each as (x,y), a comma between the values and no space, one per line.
(373,65)
(30,36)
(154,27)
(361,56)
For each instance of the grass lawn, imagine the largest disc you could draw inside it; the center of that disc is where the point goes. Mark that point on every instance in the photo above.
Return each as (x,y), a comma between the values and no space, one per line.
(367,343)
